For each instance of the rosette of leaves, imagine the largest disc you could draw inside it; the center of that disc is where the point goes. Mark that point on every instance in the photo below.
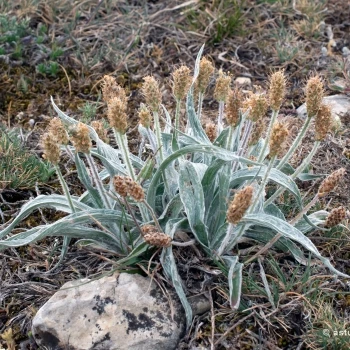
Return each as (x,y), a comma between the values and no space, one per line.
(187,189)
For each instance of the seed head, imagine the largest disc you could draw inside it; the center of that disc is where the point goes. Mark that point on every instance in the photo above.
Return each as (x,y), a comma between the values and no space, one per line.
(323,122)
(111,89)
(81,138)
(57,130)
(51,148)
(120,186)
(277,89)
(100,130)
(145,116)
(314,95)
(125,185)
(233,105)
(152,236)
(258,129)
(222,87)
(258,105)
(210,130)
(151,92)
(182,82)
(206,70)
(116,114)
(239,205)
(278,137)
(335,217)
(331,182)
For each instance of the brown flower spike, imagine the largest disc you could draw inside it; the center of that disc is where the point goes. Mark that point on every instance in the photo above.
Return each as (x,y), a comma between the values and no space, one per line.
(233,105)
(151,92)
(314,95)
(258,129)
(278,137)
(51,148)
(277,90)
(125,185)
(145,116)
(116,114)
(111,89)
(57,130)
(100,130)
(258,105)
(239,205)
(331,182)
(152,236)
(210,130)
(222,87)
(81,139)
(335,217)
(182,82)
(206,70)
(323,122)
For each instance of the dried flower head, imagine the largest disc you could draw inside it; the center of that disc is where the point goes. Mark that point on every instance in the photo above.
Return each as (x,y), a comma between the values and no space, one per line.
(258,129)
(277,90)
(100,130)
(111,89)
(331,182)
(152,236)
(258,105)
(206,70)
(314,95)
(126,186)
(145,116)
(222,87)
(233,105)
(151,91)
(81,138)
(335,217)
(57,130)
(278,137)
(51,148)
(182,82)
(116,114)
(323,122)
(239,205)
(120,186)
(211,131)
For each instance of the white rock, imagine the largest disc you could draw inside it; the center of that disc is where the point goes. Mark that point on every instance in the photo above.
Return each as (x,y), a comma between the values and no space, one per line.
(243,81)
(121,312)
(340,105)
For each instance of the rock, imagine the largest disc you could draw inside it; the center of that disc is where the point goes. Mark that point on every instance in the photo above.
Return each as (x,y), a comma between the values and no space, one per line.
(340,105)
(243,81)
(122,311)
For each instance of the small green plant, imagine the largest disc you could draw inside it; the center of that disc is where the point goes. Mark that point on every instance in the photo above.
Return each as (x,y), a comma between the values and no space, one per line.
(209,182)
(50,68)
(56,52)
(18,167)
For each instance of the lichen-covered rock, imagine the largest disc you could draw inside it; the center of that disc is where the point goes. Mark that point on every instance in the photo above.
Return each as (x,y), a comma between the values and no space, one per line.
(120,312)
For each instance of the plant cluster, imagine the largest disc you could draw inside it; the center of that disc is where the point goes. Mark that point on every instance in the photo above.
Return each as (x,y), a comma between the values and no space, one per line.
(211,184)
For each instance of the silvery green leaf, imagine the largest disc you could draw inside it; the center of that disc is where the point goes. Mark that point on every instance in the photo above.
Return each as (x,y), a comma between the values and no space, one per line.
(192,197)
(55,201)
(149,135)
(234,280)
(318,218)
(272,209)
(111,166)
(275,175)
(170,269)
(217,237)
(210,149)
(172,210)
(309,177)
(200,169)
(290,232)
(168,124)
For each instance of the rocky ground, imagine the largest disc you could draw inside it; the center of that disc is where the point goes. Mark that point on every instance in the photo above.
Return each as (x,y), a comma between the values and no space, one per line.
(64,49)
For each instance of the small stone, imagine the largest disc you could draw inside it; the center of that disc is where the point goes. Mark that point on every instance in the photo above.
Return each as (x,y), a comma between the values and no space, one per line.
(119,312)
(243,81)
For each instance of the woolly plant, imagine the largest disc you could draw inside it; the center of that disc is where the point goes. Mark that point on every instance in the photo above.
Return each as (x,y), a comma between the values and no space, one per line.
(207,181)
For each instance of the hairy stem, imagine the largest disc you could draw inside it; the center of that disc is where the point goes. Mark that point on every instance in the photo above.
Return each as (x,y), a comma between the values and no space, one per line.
(177,117)
(158,135)
(200,104)
(123,146)
(221,116)
(268,135)
(295,144)
(304,211)
(98,181)
(65,188)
